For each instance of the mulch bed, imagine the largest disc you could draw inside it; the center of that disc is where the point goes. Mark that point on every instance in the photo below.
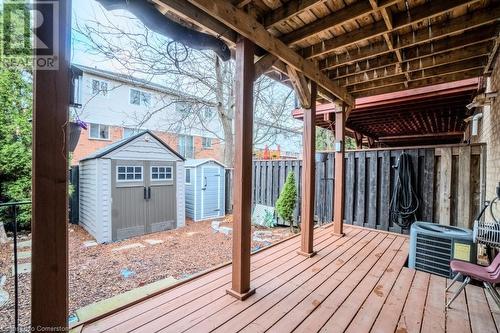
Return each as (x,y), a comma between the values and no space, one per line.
(96,272)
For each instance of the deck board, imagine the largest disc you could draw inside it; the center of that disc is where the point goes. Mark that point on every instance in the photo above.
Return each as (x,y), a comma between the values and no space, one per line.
(356,283)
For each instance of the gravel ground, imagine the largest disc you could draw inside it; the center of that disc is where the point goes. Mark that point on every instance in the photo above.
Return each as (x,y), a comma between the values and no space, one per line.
(95,273)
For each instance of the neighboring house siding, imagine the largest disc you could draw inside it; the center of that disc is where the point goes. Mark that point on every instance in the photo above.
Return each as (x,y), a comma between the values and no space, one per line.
(115,110)
(139,149)
(87,146)
(88,196)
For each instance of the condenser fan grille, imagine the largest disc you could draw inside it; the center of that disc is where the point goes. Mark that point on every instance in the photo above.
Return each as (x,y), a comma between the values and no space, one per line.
(433,254)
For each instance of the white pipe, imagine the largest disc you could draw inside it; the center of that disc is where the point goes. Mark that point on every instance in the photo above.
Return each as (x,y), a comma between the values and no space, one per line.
(475,121)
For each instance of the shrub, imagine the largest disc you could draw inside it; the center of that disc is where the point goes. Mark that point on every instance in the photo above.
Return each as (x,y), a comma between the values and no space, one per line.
(285,205)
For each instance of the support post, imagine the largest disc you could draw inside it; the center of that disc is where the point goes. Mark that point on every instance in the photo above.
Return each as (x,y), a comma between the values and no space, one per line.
(49,277)
(308,176)
(242,229)
(338,204)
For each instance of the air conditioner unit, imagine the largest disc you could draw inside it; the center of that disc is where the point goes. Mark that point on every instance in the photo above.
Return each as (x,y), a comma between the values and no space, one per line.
(433,246)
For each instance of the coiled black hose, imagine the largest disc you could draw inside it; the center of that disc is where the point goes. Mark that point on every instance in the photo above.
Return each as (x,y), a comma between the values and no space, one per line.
(404,201)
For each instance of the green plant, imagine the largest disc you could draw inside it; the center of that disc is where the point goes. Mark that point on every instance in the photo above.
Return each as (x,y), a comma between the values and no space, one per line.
(268,219)
(285,205)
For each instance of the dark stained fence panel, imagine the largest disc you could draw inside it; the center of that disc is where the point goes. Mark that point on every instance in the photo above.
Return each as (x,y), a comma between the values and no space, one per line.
(370,176)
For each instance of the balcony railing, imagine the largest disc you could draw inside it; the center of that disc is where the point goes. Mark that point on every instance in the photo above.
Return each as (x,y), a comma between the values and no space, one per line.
(9,215)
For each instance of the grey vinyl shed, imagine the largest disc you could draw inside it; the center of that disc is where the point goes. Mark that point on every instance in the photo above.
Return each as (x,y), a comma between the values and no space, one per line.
(205,189)
(132,187)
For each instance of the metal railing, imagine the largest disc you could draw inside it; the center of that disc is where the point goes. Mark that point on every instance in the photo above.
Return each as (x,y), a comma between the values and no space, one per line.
(14,206)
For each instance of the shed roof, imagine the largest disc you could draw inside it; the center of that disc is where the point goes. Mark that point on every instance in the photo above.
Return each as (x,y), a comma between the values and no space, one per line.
(115,145)
(192,163)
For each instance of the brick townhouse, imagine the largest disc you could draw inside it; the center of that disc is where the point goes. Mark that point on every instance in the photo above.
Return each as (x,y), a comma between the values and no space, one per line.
(115,106)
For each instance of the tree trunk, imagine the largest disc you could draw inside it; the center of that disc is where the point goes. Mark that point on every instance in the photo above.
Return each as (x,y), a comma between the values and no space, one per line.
(224,116)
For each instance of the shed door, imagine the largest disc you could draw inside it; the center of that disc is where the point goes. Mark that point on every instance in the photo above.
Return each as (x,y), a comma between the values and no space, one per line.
(144,198)
(129,205)
(162,199)
(210,192)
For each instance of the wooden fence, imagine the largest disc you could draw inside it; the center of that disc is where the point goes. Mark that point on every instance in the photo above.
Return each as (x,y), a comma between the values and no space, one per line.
(448,182)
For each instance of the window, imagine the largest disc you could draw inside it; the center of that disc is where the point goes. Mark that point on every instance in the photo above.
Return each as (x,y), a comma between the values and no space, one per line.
(188,176)
(138,97)
(99,87)
(128,132)
(186,146)
(98,131)
(207,143)
(161,173)
(128,173)
(208,112)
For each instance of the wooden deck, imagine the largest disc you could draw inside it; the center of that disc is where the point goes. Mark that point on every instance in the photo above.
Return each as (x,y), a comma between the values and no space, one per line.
(357,283)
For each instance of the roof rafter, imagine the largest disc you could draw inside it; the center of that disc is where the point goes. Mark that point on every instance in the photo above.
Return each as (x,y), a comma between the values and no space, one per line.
(249,27)
(399,21)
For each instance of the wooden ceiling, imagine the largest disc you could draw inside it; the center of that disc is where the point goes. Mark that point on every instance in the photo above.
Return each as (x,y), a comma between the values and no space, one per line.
(370,47)
(360,48)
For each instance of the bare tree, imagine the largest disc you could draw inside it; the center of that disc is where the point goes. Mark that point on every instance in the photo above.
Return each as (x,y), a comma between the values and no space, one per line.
(201,75)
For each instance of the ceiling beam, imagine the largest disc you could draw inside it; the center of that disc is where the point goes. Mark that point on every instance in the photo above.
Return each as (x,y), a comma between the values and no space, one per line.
(348,13)
(449,68)
(478,42)
(469,52)
(445,78)
(426,135)
(205,22)
(492,56)
(401,20)
(248,27)
(289,9)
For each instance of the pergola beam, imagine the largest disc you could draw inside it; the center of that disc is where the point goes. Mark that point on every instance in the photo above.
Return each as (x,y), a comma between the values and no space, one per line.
(249,27)
(400,21)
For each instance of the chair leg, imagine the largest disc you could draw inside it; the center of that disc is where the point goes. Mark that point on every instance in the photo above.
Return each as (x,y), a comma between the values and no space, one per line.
(455,279)
(459,290)
(493,292)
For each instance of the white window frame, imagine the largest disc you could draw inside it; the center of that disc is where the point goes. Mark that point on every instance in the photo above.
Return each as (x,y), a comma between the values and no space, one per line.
(99,131)
(126,172)
(161,179)
(141,100)
(203,140)
(190,175)
(99,93)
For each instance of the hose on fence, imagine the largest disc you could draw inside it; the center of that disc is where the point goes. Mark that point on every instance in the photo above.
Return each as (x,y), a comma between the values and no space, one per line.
(404,202)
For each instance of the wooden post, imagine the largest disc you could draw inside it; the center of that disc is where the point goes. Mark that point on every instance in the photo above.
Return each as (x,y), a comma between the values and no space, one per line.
(338,197)
(49,276)
(308,175)
(242,228)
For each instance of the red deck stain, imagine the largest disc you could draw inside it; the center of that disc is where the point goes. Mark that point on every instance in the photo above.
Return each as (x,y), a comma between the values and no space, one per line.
(378,291)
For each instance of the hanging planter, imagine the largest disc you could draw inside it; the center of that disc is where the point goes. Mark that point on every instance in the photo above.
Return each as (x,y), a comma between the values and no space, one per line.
(75,129)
